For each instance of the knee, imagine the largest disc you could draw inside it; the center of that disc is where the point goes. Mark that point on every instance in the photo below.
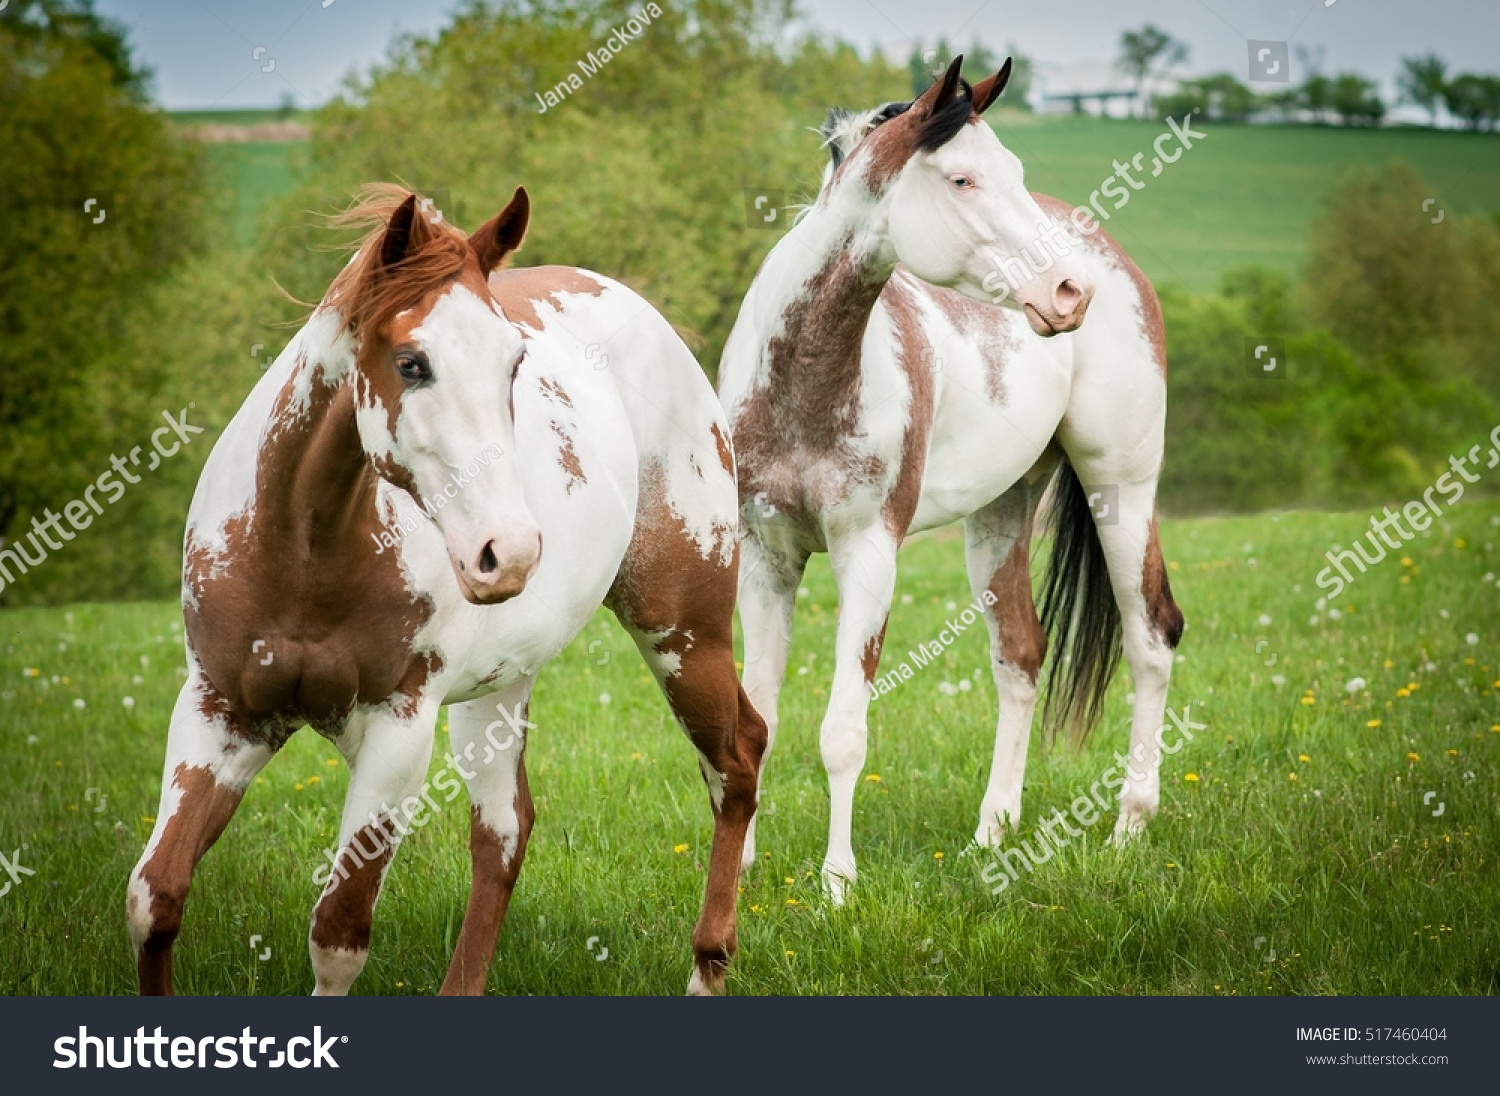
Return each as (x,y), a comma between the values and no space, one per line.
(753,735)
(153,910)
(842,743)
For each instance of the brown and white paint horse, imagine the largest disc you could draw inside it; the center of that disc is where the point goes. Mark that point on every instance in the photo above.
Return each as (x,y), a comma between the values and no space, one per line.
(872,395)
(316,590)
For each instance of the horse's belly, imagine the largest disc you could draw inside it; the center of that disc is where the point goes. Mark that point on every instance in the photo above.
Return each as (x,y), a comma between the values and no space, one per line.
(981,447)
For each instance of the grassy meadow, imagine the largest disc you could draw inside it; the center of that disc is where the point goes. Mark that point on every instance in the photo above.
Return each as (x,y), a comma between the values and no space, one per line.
(1312,839)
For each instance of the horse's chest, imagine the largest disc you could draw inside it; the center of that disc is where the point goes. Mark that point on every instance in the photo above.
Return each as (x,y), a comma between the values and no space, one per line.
(290,642)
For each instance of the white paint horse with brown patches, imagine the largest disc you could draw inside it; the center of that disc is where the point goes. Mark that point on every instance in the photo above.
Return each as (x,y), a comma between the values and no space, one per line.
(875,389)
(421,504)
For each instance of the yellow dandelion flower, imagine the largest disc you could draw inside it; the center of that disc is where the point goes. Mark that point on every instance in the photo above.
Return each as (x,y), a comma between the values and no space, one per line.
(680,849)
(1303,758)
(331,762)
(1451,753)
(1406,561)
(872,778)
(1413,686)
(790,953)
(1309,700)
(1389,664)
(1291,776)
(1495,728)
(1460,543)
(789,880)
(937,856)
(1170,864)
(1403,692)
(297,787)
(315,780)
(1413,757)
(1191,778)
(1372,723)
(1468,662)
(793,902)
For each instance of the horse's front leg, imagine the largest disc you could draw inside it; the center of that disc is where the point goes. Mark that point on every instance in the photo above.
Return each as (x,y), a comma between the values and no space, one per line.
(210,762)
(489,751)
(864,568)
(388,753)
(769,573)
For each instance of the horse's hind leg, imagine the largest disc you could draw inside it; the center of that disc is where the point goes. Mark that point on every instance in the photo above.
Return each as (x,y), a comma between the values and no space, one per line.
(209,764)
(388,754)
(998,554)
(489,750)
(678,605)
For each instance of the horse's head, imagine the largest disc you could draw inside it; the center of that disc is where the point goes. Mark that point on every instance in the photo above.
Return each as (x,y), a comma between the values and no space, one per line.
(957,208)
(433,373)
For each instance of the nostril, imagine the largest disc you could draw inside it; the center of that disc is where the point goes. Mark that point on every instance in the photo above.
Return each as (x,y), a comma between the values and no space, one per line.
(1067,296)
(488,564)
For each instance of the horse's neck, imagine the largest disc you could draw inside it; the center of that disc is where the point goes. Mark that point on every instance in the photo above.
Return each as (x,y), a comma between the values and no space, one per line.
(314,481)
(822,281)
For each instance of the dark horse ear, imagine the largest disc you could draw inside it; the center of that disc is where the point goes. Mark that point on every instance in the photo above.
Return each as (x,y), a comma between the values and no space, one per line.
(942,92)
(989,89)
(503,233)
(397,242)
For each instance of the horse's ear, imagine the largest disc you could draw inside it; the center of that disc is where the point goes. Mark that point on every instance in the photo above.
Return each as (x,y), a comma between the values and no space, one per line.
(989,89)
(942,92)
(503,233)
(397,242)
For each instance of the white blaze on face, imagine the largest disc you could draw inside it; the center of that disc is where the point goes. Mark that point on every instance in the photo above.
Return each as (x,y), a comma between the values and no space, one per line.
(961,217)
(455,435)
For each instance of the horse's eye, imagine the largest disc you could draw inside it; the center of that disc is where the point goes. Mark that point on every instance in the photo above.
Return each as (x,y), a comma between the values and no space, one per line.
(413,369)
(962,182)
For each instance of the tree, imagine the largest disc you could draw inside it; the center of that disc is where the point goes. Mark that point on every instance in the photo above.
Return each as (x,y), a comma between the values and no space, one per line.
(1355,99)
(1475,99)
(1219,97)
(1423,81)
(1143,51)
(101,202)
(1316,94)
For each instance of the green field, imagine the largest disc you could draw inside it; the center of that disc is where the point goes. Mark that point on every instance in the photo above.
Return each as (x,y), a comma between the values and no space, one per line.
(1245,195)
(1299,822)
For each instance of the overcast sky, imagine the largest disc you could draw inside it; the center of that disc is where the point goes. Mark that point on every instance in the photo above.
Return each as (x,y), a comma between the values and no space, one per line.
(215,53)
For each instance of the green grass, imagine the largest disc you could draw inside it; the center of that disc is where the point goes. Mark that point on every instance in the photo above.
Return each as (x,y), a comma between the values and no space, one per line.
(1245,194)
(1307,826)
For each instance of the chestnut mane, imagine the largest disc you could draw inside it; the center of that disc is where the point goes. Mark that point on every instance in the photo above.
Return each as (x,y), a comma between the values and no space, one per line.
(371,290)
